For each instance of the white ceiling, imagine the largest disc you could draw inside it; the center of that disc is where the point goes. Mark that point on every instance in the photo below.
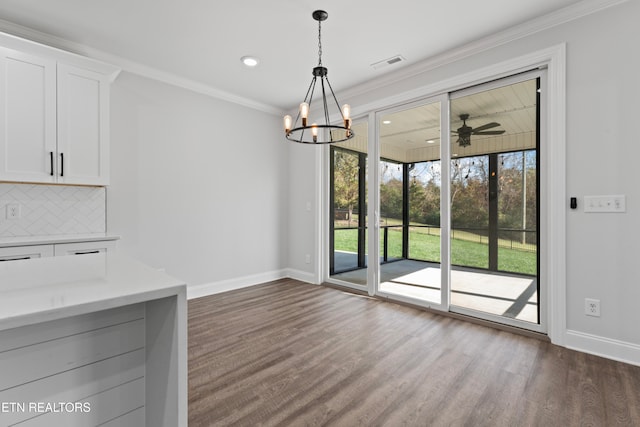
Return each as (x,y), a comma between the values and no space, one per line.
(202,41)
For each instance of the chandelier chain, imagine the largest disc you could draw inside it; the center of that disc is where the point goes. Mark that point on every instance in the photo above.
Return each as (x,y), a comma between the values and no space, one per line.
(319,43)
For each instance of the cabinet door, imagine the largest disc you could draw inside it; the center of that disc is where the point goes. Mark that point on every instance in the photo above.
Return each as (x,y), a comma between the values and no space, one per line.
(83,248)
(25,252)
(83,126)
(27,117)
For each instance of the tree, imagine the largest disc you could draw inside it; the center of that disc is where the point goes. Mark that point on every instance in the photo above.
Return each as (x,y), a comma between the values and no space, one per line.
(417,201)
(391,198)
(518,207)
(470,193)
(346,168)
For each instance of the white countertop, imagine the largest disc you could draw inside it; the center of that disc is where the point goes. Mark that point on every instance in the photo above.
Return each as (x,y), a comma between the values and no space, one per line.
(49,240)
(43,289)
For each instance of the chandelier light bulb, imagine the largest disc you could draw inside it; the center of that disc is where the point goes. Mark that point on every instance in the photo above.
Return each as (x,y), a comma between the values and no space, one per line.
(346,114)
(346,111)
(304,113)
(314,132)
(288,122)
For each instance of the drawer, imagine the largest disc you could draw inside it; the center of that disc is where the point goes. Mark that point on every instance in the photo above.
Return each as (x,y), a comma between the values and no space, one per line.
(25,252)
(83,248)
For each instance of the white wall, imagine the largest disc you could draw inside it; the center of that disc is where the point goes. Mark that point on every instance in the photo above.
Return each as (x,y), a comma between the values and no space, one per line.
(304,194)
(198,185)
(602,158)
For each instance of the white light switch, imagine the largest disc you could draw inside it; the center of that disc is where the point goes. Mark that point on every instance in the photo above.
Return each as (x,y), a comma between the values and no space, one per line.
(617,203)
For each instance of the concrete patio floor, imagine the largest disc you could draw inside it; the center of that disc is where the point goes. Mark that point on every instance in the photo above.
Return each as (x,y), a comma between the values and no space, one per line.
(509,295)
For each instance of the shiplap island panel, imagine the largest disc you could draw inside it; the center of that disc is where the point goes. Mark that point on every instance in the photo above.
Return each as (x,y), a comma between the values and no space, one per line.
(93,340)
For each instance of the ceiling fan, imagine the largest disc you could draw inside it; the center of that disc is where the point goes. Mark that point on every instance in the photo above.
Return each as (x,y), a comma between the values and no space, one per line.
(464,132)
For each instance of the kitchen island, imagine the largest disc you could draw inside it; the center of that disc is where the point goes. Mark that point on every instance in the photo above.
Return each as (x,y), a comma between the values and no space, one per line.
(91,339)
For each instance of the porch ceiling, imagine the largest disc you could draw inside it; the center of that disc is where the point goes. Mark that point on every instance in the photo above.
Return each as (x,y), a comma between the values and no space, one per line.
(413,135)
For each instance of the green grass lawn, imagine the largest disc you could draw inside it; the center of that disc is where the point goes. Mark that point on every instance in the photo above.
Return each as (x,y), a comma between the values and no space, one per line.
(426,247)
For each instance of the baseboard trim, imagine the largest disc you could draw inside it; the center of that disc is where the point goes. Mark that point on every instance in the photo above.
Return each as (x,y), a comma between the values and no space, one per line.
(303,276)
(197,291)
(205,289)
(604,347)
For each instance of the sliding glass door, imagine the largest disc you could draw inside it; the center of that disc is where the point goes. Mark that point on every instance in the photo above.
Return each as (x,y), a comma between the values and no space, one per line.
(410,178)
(348,209)
(451,184)
(494,206)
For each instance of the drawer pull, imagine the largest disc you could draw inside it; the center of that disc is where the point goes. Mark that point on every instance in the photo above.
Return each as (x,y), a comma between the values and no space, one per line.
(86,252)
(51,156)
(15,259)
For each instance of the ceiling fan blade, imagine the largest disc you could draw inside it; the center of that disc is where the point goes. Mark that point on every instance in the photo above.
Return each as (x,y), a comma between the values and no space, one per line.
(489,132)
(486,126)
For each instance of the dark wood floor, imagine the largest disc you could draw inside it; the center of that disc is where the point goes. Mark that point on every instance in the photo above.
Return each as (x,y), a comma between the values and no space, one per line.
(292,354)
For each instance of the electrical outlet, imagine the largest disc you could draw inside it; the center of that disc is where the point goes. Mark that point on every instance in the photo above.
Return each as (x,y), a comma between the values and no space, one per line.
(307,259)
(13,211)
(592,307)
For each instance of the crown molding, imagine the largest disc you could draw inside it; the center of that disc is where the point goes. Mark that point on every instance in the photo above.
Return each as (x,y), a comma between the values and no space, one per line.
(14,42)
(564,15)
(132,66)
(550,20)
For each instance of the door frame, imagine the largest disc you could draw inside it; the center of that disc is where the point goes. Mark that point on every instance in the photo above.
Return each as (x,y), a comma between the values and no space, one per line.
(553,170)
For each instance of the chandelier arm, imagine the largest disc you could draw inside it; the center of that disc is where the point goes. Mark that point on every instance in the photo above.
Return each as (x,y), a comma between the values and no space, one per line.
(324,104)
(309,94)
(312,87)
(326,108)
(335,99)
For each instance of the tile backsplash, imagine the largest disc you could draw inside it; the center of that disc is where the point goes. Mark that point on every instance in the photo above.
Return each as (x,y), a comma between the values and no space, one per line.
(52,210)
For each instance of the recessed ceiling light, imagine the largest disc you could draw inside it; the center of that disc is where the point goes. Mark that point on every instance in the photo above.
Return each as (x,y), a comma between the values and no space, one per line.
(386,122)
(249,61)
(430,141)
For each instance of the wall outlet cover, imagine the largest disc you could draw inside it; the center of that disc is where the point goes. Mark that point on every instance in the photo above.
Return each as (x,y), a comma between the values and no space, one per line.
(592,307)
(13,211)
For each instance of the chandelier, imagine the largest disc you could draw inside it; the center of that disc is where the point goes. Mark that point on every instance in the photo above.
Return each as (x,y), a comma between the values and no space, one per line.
(325,133)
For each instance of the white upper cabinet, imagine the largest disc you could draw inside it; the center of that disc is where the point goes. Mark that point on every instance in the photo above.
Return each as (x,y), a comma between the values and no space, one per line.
(54,115)
(27,117)
(83,131)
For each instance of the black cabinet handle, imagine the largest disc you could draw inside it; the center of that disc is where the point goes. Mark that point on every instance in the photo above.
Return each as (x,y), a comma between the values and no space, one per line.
(61,164)
(86,253)
(15,259)
(51,156)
